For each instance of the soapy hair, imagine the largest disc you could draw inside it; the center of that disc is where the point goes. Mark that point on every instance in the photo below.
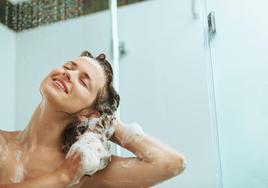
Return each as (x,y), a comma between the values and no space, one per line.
(106,103)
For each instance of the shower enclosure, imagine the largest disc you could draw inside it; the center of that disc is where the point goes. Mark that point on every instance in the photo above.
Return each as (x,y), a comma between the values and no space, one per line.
(166,83)
(162,60)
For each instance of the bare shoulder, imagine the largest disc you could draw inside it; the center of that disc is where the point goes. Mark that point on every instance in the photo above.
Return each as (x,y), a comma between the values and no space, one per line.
(4,134)
(7,135)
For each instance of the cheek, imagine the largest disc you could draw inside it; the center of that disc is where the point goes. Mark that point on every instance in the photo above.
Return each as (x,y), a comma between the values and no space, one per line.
(43,84)
(51,75)
(84,96)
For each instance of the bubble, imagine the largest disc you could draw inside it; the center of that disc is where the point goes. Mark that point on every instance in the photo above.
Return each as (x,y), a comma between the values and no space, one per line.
(133,133)
(19,169)
(128,163)
(184,165)
(18,176)
(95,154)
(18,155)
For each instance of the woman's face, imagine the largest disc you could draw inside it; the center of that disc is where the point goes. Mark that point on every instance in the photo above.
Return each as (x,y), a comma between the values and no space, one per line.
(74,85)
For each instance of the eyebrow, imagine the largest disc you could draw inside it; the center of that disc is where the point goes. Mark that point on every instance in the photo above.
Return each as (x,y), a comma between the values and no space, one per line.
(85,74)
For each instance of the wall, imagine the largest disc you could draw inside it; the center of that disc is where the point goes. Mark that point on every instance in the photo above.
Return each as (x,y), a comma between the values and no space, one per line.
(7,78)
(42,49)
(239,52)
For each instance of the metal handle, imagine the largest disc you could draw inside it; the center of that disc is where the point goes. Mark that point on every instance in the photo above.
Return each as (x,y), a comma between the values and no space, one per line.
(211,24)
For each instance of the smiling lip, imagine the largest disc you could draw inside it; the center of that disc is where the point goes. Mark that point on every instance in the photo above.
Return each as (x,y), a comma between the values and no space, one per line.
(61,84)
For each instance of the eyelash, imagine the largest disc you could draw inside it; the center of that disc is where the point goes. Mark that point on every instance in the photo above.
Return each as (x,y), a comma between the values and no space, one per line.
(80,79)
(84,83)
(66,67)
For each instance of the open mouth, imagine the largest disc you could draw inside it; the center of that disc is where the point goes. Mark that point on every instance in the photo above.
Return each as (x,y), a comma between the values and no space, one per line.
(61,84)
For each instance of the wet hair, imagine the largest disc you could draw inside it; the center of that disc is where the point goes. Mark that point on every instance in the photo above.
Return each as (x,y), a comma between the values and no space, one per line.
(106,103)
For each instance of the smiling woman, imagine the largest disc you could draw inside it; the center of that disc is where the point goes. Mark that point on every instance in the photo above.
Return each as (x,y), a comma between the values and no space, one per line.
(82,90)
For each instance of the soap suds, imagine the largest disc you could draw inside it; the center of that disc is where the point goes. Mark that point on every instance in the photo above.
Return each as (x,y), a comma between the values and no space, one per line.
(128,163)
(18,155)
(18,177)
(151,151)
(185,164)
(95,154)
(148,154)
(133,134)
(19,170)
(94,147)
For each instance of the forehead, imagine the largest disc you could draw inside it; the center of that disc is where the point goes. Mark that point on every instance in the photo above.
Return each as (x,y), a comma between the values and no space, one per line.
(91,67)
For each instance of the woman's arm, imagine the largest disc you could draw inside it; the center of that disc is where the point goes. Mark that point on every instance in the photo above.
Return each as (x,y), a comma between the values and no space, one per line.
(60,178)
(155,162)
(146,147)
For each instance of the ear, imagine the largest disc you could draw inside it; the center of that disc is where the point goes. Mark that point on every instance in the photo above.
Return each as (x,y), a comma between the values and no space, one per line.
(86,114)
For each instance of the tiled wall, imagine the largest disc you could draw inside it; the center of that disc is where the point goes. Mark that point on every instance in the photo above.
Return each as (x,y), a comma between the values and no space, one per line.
(34,13)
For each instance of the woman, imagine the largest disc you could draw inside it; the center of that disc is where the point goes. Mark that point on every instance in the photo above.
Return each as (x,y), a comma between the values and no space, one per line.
(79,90)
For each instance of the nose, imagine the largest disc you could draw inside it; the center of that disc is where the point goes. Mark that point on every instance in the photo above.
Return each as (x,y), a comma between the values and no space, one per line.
(67,75)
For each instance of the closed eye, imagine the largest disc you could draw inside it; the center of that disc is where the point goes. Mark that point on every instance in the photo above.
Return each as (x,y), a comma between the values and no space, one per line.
(83,83)
(66,67)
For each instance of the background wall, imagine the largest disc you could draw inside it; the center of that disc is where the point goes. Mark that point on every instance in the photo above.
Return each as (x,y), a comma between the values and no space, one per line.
(239,52)
(42,49)
(7,78)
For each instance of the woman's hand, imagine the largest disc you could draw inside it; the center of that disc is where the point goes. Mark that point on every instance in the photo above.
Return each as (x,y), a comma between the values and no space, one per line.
(69,168)
(120,132)
(125,133)
(117,124)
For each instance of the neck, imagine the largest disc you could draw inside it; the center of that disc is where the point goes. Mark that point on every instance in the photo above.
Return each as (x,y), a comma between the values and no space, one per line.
(45,128)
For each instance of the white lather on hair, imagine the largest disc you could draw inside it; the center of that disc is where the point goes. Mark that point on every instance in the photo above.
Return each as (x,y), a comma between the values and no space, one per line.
(93,147)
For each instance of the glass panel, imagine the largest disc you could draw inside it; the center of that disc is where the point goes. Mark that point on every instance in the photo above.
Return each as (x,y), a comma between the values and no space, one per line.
(163,83)
(240,70)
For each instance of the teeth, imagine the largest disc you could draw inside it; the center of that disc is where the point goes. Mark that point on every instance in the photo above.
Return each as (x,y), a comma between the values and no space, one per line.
(60,85)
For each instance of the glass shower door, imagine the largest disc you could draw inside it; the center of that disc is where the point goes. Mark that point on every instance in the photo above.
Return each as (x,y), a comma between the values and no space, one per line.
(239,54)
(164,83)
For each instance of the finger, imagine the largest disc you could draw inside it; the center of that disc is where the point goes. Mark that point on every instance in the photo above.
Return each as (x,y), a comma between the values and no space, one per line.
(72,155)
(76,155)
